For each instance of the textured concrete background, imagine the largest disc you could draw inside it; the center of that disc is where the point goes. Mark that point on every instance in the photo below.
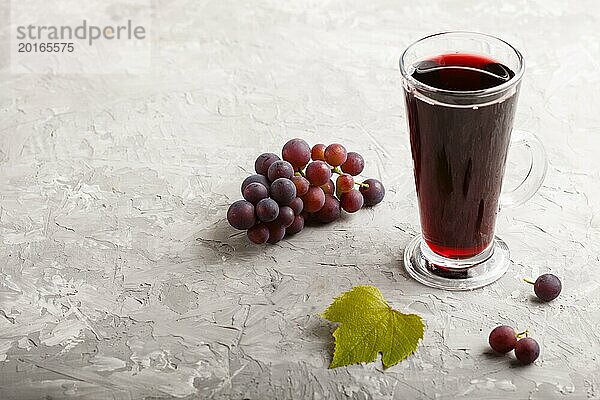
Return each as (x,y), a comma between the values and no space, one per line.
(120,278)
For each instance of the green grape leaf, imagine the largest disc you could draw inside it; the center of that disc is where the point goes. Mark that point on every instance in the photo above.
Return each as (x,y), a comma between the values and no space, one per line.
(369,325)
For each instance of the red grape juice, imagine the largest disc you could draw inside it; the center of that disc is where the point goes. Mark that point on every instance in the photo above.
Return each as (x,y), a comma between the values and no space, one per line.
(459,149)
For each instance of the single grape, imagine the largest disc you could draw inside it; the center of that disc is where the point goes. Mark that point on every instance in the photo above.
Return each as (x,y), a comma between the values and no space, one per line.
(280,169)
(318,152)
(527,350)
(352,201)
(267,210)
(329,187)
(283,190)
(264,161)
(547,287)
(374,193)
(285,217)
(240,215)
(255,178)
(314,199)
(276,233)
(296,226)
(503,339)
(255,192)
(354,164)
(297,205)
(335,154)
(302,185)
(258,234)
(318,173)
(297,153)
(330,210)
(344,183)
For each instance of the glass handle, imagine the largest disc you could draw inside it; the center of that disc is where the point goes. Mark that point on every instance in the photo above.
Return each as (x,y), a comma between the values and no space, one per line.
(534,177)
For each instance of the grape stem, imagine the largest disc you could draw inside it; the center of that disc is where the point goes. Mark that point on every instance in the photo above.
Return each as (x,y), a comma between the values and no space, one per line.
(524,333)
(300,173)
(528,281)
(362,184)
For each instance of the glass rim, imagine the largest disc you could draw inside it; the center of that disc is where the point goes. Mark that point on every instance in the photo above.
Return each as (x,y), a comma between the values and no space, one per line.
(480,92)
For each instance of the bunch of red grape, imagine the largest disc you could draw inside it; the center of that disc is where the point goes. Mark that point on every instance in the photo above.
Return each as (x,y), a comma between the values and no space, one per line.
(504,339)
(286,194)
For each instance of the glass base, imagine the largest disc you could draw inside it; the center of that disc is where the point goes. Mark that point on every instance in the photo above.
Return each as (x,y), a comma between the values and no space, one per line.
(439,272)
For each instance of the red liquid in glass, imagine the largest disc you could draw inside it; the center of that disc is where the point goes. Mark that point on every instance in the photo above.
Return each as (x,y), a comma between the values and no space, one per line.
(459,153)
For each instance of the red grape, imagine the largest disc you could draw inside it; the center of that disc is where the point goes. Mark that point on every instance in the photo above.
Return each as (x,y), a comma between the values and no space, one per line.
(258,234)
(240,215)
(318,152)
(283,190)
(297,205)
(276,233)
(354,164)
(330,210)
(374,193)
(296,226)
(255,192)
(547,287)
(352,201)
(527,350)
(264,161)
(297,153)
(302,185)
(267,210)
(503,339)
(255,178)
(280,169)
(335,154)
(314,199)
(345,183)
(285,217)
(318,173)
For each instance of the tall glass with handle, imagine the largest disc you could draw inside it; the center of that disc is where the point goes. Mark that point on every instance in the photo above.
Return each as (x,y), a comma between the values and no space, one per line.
(461,91)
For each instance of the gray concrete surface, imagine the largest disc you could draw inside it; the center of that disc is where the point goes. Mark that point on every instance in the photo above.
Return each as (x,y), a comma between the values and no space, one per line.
(120,278)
